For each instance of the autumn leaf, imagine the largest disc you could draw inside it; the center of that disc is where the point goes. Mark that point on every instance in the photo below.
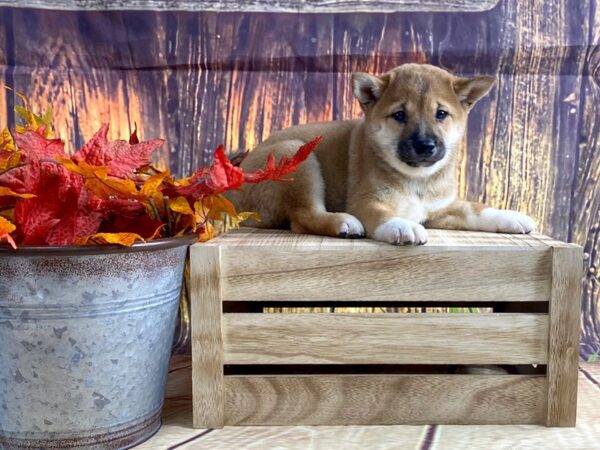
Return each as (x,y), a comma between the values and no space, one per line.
(181,205)
(61,211)
(124,239)
(133,139)
(121,157)
(34,146)
(223,176)
(285,166)
(143,225)
(7,143)
(6,227)
(33,122)
(219,177)
(6,192)
(97,180)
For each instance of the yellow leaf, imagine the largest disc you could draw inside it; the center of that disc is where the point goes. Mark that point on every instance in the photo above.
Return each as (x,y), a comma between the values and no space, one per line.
(6,227)
(153,183)
(7,143)
(208,233)
(181,205)
(125,239)
(97,180)
(33,121)
(9,157)
(6,192)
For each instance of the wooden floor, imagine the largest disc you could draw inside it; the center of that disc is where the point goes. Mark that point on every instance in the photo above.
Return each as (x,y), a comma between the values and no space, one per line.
(177,431)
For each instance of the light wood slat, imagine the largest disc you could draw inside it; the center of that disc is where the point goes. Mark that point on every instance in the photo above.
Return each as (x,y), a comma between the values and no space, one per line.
(305,6)
(385,273)
(447,239)
(563,353)
(207,345)
(384,399)
(385,338)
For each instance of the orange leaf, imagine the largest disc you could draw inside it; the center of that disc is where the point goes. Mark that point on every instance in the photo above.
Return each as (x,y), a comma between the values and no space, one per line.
(124,239)
(97,180)
(153,183)
(6,228)
(181,205)
(4,191)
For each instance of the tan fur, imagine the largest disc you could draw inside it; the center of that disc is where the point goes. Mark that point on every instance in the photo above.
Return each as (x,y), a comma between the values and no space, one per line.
(355,182)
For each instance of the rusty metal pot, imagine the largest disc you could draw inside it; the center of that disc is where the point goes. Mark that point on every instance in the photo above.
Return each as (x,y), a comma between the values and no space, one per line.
(85,340)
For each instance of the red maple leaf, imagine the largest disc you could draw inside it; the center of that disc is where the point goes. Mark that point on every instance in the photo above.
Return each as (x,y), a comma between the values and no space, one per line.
(34,146)
(222,175)
(62,210)
(284,167)
(121,157)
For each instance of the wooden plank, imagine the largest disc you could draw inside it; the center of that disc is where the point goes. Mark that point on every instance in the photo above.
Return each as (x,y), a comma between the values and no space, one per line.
(370,271)
(563,352)
(445,239)
(207,345)
(306,6)
(384,399)
(385,338)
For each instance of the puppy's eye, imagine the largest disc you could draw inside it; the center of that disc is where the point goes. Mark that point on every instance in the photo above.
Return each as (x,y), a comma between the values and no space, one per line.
(399,116)
(441,114)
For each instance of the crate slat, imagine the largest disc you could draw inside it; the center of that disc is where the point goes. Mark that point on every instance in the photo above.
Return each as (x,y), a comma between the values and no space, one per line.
(385,399)
(563,357)
(385,338)
(386,273)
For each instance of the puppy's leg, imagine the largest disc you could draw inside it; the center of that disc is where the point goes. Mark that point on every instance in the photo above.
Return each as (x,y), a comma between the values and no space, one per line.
(463,215)
(300,203)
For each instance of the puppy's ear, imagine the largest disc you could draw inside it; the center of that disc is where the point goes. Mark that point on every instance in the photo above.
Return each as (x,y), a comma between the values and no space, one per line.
(470,90)
(367,88)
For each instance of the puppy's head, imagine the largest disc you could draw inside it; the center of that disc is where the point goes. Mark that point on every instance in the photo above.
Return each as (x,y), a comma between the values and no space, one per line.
(416,114)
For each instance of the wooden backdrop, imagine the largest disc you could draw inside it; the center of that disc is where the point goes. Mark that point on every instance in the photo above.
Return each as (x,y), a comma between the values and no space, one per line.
(203,78)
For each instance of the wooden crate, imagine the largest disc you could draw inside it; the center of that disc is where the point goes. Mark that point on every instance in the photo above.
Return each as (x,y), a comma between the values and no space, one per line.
(254,368)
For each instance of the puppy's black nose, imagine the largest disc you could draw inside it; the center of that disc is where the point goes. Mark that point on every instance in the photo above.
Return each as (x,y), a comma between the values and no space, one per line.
(424,147)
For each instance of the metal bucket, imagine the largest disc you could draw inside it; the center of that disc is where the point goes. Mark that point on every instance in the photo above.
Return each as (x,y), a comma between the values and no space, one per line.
(85,340)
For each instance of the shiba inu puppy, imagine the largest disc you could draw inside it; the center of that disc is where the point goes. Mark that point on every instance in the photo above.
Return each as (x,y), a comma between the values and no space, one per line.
(386,176)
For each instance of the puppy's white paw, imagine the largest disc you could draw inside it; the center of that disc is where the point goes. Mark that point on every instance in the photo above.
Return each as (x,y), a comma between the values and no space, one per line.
(506,221)
(399,231)
(349,226)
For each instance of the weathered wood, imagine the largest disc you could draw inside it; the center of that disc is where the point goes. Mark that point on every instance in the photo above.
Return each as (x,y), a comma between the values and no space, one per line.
(207,345)
(384,399)
(304,6)
(563,351)
(453,266)
(385,338)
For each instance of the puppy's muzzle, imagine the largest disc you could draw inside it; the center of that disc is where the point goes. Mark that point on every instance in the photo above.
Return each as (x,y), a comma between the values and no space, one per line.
(419,151)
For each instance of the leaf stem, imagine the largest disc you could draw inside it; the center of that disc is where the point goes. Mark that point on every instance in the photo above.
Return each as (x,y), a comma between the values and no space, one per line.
(168,214)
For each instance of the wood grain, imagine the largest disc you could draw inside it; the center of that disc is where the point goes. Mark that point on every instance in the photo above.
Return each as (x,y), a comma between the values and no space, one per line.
(207,347)
(310,6)
(563,352)
(358,271)
(384,399)
(385,338)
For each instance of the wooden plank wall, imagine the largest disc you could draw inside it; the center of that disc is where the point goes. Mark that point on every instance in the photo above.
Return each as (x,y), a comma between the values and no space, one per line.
(203,78)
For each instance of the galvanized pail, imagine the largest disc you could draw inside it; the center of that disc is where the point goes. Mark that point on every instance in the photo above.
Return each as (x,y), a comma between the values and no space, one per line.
(85,340)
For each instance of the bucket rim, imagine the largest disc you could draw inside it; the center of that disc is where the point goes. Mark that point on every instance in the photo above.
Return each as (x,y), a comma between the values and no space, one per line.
(82,250)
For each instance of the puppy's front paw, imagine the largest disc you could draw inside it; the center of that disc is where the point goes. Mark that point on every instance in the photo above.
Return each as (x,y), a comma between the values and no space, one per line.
(399,231)
(349,226)
(506,221)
